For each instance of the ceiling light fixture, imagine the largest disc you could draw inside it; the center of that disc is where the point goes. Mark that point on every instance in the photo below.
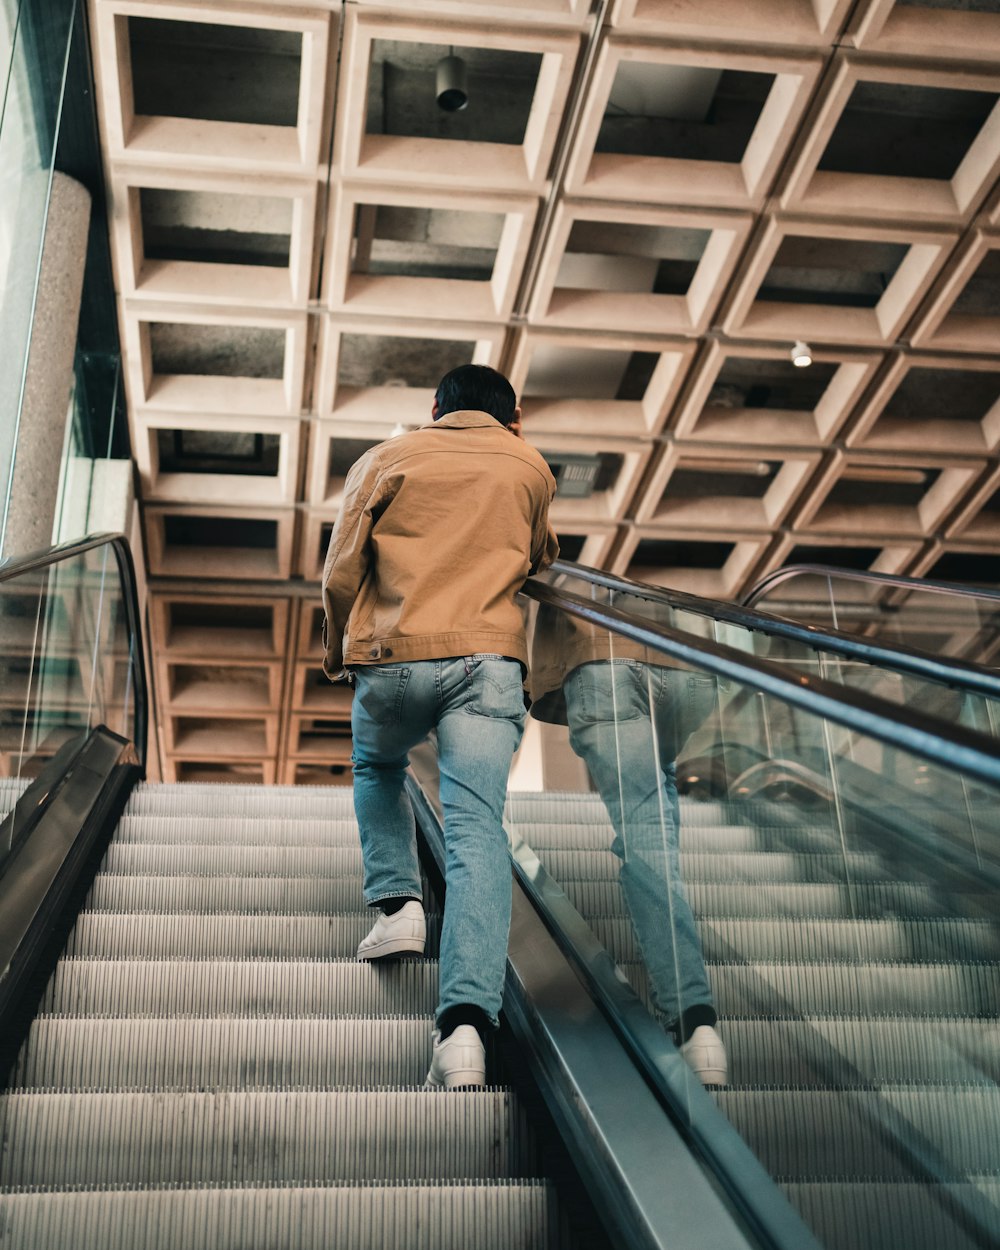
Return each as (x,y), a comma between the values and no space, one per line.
(450,88)
(801,355)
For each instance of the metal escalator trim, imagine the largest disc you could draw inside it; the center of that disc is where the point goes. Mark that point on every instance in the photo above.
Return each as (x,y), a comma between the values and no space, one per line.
(621,1139)
(30,803)
(42,873)
(947,745)
(952,671)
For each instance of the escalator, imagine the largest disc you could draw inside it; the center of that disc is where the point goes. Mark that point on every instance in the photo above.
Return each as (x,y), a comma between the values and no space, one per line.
(209,1066)
(239,1068)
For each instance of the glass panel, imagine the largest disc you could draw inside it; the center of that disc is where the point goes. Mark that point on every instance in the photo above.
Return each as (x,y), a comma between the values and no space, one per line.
(922,695)
(68,665)
(963,626)
(832,899)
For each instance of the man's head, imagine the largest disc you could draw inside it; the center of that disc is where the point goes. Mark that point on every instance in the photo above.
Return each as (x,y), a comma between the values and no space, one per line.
(476,388)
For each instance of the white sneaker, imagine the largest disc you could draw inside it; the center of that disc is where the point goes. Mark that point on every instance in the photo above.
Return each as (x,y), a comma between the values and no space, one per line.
(706,1056)
(459,1060)
(401,934)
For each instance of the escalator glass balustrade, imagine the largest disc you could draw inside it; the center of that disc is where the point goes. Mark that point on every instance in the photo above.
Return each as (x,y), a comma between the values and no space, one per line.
(834,899)
(953,621)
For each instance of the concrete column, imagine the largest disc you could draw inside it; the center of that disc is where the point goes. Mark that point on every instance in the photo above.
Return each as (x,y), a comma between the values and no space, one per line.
(49,378)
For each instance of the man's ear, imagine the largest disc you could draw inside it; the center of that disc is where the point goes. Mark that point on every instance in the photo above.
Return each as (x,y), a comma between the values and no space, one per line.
(515,425)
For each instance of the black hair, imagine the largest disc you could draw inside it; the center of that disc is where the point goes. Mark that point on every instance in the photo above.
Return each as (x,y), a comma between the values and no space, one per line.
(476,388)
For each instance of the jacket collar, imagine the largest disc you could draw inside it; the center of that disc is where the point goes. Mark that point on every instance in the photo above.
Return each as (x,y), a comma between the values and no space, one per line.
(463,420)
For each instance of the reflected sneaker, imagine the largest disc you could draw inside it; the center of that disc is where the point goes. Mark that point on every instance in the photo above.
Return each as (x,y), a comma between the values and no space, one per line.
(401,934)
(706,1055)
(458,1060)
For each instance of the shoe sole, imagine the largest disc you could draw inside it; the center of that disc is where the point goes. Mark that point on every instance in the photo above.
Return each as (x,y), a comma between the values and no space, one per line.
(394,946)
(468,1080)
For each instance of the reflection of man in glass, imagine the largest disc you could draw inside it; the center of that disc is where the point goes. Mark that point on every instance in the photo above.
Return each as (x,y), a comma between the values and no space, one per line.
(629,713)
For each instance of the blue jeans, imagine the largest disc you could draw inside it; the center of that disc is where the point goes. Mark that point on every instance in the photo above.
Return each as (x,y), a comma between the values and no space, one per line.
(476,705)
(627,722)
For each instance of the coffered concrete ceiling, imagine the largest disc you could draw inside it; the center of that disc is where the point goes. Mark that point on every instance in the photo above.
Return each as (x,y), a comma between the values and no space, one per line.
(644,205)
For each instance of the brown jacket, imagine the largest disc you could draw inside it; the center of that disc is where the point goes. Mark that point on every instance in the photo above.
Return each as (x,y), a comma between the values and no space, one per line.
(438,530)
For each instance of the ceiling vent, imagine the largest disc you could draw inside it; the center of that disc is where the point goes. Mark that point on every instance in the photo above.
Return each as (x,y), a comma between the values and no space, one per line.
(575,474)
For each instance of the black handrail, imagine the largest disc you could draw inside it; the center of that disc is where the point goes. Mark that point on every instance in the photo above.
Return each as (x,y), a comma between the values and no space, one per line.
(960,674)
(950,746)
(11,569)
(789,571)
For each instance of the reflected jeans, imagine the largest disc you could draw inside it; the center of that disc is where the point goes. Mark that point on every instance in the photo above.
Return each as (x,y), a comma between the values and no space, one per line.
(627,722)
(476,705)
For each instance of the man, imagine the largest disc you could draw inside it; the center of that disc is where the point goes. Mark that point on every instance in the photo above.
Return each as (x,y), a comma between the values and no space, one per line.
(438,531)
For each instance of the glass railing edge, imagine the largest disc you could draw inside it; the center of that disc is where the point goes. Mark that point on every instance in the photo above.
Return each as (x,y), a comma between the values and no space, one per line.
(971,753)
(787,573)
(957,673)
(14,567)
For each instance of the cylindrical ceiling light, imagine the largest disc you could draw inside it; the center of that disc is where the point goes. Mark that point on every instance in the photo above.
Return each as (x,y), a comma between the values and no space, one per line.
(450,88)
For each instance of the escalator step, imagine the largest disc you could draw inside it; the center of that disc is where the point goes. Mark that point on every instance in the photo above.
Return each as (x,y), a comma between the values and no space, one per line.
(217,894)
(518,1215)
(101,935)
(254,1138)
(164,859)
(855,1215)
(930,940)
(781,1127)
(784,939)
(790,990)
(157,1053)
(822,940)
(764,866)
(276,802)
(99,987)
(717,839)
(246,830)
(855,1050)
(806,900)
(571,806)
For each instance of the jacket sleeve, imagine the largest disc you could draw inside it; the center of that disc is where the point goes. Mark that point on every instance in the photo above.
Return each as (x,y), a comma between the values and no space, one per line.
(544,544)
(348,560)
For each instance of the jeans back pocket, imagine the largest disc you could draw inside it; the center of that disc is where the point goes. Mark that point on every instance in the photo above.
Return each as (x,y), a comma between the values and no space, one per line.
(380,692)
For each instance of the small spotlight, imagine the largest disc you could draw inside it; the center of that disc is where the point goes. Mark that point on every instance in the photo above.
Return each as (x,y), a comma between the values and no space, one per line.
(802,356)
(450,88)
